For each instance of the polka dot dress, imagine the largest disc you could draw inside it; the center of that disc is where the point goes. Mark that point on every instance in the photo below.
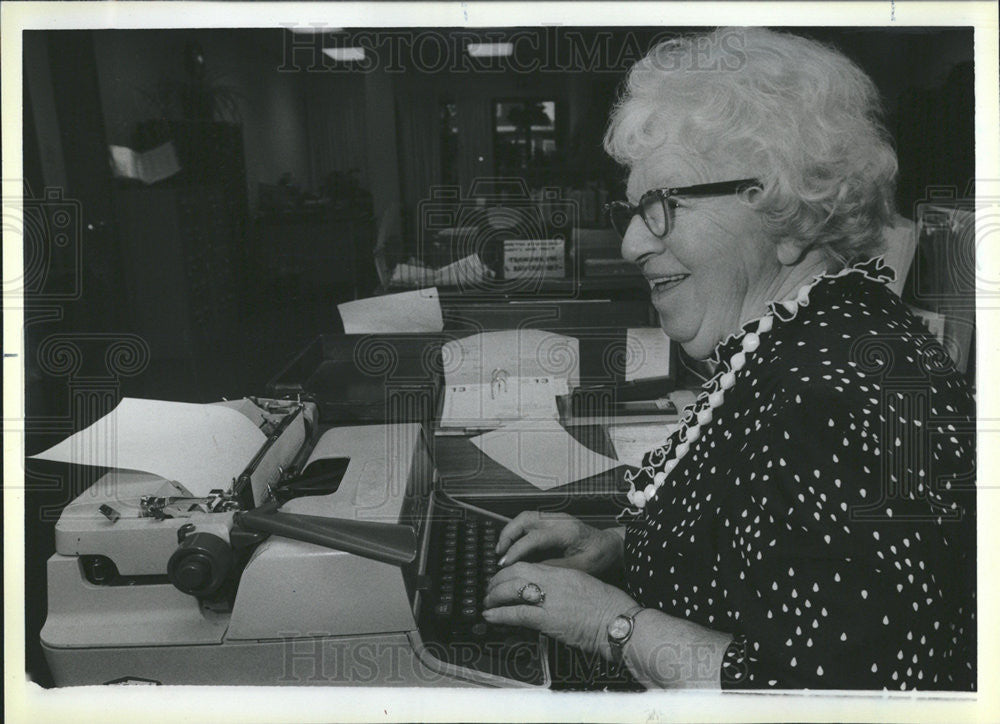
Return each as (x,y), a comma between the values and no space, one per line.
(818,501)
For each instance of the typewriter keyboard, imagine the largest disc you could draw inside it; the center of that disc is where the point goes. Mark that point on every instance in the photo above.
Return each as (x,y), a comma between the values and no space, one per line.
(463,559)
(468,561)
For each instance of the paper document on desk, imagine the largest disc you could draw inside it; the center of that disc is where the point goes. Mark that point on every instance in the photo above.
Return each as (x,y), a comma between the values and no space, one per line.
(480,358)
(543,453)
(416,311)
(467,270)
(412,275)
(504,400)
(632,442)
(202,447)
(647,354)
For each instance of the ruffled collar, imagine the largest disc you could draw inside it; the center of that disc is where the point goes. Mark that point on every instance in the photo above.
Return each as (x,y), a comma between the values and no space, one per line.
(786,310)
(730,356)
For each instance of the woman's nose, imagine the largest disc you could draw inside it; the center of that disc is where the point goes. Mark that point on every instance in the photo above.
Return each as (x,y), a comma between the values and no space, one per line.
(639,241)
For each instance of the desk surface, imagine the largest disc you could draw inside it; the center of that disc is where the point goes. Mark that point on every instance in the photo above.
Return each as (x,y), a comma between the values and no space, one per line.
(401,382)
(466,472)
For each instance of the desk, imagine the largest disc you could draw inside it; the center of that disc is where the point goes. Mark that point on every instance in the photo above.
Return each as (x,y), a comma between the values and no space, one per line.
(398,378)
(357,378)
(467,473)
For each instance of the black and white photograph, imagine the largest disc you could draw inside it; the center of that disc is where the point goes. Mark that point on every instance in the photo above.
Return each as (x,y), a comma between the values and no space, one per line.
(497,361)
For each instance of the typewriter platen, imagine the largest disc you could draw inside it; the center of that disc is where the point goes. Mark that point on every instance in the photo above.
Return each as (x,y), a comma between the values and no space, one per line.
(330,561)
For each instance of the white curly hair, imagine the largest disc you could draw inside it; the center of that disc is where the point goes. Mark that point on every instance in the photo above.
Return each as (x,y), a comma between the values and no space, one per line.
(805,118)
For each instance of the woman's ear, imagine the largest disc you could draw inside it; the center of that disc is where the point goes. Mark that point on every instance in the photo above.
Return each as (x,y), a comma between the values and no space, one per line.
(751,194)
(790,251)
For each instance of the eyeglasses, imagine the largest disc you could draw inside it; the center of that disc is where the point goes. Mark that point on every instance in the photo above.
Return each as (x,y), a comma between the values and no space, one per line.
(656,207)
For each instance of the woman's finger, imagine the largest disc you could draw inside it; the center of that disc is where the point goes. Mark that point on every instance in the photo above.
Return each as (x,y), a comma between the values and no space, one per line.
(524,545)
(577,561)
(515,529)
(505,593)
(530,616)
(517,571)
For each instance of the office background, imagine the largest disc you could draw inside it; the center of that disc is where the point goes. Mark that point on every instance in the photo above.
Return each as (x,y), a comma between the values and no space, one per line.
(292,163)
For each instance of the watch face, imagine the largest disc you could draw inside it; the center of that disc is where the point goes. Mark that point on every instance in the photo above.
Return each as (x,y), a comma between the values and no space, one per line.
(619,628)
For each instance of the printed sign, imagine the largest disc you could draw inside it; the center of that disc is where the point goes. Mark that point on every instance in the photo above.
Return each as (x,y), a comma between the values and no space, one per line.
(534,257)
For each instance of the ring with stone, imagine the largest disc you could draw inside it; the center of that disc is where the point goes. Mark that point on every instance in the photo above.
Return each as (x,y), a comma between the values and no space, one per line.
(531,593)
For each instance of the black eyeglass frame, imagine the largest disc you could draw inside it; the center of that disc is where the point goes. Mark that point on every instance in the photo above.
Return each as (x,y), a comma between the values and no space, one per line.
(667,197)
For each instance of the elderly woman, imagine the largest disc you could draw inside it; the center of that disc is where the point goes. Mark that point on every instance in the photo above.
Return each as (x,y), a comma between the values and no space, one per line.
(811,522)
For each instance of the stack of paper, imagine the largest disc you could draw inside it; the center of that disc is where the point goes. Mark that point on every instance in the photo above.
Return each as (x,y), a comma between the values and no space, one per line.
(508,375)
(492,404)
(467,270)
(412,275)
(514,353)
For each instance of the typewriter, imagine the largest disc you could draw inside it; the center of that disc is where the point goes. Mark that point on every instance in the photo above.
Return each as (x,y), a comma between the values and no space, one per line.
(331,559)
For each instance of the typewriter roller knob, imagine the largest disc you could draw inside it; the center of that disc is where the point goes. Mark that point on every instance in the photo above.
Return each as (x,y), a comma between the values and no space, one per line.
(200,564)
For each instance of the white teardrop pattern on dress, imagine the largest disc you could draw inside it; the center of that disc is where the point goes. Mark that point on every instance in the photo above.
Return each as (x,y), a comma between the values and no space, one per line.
(699,415)
(702,416)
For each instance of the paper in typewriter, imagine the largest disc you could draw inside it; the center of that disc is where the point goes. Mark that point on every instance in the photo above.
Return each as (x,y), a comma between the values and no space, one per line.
(202,447)
(516,374)
(543,453)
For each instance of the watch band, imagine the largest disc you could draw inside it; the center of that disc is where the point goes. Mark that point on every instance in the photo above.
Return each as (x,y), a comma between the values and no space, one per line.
(618,645)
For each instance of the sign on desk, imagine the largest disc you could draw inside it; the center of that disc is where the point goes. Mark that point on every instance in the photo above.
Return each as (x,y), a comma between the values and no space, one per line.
(532,257)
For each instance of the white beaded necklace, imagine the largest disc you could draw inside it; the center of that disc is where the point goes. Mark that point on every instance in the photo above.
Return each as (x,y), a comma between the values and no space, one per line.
(719,384)
(873,269)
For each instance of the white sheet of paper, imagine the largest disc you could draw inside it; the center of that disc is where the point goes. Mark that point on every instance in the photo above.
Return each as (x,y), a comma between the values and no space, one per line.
(542,452)
(416,311)
(200,446)
(632,442)
(517,398)
(472,360)
(149,167)
(647,353)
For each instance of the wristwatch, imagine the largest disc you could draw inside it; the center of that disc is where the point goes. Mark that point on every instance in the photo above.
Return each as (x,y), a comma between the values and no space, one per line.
(619,632)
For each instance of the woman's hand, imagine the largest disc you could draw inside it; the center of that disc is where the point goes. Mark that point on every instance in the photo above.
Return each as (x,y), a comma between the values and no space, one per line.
(575,544)
(576,608)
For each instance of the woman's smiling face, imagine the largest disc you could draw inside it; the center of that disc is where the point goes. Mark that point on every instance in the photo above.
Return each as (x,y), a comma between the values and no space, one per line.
(712,272)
